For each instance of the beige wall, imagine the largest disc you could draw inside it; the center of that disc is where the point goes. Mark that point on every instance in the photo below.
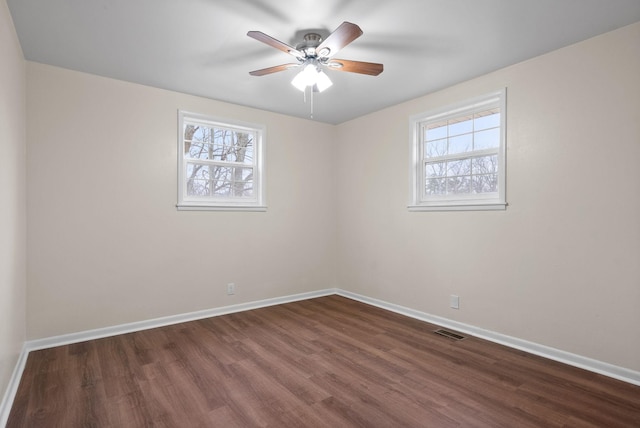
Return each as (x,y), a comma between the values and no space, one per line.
(561,266)
(12,198)
(106,245)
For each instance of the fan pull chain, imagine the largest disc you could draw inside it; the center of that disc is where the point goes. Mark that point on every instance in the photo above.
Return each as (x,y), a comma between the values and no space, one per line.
(304,98)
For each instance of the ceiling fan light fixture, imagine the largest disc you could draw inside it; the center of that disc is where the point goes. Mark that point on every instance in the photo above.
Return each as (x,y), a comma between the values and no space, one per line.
(311,76)
(307,77)
(322,81)
(299,82)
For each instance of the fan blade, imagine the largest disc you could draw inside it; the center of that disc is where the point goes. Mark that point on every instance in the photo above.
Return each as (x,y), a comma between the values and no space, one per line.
(274,69)
(341,37)
(261,37)
(370,68)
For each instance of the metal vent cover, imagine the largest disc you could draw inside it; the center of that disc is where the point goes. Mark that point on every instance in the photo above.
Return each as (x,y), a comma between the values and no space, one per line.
(449,334)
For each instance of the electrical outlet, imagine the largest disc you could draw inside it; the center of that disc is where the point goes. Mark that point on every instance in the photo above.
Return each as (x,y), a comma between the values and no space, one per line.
(231,288)
(454,301)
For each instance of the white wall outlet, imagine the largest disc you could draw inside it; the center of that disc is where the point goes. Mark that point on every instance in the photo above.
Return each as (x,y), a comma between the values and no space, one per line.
(454,301)
(231,288)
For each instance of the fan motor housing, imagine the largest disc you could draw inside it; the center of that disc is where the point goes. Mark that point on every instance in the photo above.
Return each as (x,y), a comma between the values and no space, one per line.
(311,42)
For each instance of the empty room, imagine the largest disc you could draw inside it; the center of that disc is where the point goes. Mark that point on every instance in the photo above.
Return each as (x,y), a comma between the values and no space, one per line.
(419,213)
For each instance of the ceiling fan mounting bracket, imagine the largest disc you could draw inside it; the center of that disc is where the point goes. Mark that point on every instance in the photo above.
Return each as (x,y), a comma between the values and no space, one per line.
(312,39)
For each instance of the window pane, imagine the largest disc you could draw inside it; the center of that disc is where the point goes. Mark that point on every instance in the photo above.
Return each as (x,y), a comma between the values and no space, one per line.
(486,139)
(197,133)
(247,190)
(485,183)
(220,173)
(436,169)
(486,119)
(196,139)
(457,185)
(460,144)
(463,125)
(203,134)
(242,181)
(215,180)
(231,181)
(459,167)
(244,153)
(436,131)
(201,150)
(235,146)
(436,148)
(197,187)
(485,165)
(221,188)
(197,171)
(224,145)
(436,186)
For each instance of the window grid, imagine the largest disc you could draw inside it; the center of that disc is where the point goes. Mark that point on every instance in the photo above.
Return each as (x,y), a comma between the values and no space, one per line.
(459,155)
(220,164)
(454,169)
(216,160)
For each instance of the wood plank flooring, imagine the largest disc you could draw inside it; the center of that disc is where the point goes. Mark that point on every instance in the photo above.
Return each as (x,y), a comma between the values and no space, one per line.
(325,362)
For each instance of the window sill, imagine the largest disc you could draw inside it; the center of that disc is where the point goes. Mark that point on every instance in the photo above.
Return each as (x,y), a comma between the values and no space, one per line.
(500,206)
(186,207)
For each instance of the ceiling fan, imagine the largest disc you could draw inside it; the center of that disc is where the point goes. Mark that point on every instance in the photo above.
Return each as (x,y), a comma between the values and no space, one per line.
(314,53)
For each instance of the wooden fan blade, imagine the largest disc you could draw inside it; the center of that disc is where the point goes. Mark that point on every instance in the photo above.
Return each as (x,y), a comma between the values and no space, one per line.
(264,38)
(273,69)
(341,37)
(370,68)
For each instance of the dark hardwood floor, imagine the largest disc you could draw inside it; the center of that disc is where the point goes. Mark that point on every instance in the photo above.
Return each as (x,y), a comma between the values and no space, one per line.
(325,362)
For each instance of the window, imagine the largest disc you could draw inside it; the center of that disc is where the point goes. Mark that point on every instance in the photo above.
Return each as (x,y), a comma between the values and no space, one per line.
(220,164)
(458,156)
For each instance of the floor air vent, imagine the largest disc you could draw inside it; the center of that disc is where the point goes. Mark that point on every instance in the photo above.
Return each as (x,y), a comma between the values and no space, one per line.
(449,334)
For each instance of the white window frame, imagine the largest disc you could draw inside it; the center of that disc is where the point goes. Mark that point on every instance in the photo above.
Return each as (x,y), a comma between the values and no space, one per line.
(254,203)
(420,201)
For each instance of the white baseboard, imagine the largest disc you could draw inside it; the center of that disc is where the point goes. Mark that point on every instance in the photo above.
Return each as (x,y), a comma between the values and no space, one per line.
(592,365)
(575,360)
(12,388)
(99,333)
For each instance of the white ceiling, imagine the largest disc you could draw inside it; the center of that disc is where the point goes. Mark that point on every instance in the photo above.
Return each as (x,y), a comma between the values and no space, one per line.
(200,47)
